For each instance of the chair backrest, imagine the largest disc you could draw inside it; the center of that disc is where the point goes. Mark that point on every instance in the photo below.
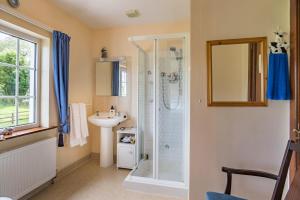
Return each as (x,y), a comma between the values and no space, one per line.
(283,172)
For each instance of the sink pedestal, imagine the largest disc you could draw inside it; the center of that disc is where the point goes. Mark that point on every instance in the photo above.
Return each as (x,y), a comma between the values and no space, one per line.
(106,122)
(106,147)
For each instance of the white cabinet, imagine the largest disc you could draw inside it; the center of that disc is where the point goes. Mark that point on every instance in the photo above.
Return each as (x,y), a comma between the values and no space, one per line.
(126,152)
(126,156)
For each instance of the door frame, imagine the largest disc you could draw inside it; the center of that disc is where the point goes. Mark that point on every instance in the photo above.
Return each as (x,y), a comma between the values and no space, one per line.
(295,77)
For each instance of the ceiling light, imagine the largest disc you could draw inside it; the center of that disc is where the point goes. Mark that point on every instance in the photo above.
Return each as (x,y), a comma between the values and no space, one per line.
(133,13)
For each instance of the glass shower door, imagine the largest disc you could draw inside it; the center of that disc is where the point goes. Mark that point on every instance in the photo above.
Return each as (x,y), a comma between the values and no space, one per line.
(162,108)
(170,109)
(141,104)
(146,83)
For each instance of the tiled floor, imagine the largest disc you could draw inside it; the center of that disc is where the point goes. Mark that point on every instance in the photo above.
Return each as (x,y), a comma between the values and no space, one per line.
(89,182)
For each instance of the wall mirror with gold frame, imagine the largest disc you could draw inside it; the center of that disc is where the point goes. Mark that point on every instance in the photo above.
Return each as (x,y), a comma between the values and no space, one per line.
(237,72)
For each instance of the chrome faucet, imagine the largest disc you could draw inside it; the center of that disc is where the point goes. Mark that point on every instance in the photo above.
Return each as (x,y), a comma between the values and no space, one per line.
(98,113)
(113,107)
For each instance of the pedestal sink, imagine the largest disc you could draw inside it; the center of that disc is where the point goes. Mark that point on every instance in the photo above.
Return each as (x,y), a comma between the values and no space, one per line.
(106,123)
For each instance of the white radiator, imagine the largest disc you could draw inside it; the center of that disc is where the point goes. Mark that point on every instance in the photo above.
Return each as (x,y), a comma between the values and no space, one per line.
(24,169)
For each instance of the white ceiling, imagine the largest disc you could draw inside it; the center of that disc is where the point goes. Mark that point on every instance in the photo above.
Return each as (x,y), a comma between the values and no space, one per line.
(111,13)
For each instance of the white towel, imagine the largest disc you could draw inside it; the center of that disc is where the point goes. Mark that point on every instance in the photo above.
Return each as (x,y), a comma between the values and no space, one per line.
(75,130)
(83,124)
(78,123)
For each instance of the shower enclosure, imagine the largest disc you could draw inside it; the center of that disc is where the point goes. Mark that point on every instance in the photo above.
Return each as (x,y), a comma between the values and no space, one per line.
(162,103)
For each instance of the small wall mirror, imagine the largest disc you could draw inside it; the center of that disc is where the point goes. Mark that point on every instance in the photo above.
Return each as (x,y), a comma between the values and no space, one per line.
(111,79)
(237,71)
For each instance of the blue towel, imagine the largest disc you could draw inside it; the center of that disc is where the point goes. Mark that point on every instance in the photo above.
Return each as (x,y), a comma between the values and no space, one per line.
(278,77)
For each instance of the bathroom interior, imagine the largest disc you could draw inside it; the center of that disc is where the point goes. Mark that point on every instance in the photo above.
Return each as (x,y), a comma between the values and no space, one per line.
(143,99)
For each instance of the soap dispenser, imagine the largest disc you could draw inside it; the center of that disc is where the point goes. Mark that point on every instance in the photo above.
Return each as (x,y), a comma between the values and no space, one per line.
(112,111)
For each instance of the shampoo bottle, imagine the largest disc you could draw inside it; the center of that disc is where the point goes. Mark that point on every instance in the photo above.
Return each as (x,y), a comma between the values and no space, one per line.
(112,111)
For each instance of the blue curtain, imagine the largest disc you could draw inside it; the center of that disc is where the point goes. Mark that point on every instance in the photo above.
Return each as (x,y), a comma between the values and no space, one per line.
(116,78)
(61,53)
(278,77)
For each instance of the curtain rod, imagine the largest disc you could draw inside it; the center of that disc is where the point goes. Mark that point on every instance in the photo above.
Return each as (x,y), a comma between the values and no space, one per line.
(14,13)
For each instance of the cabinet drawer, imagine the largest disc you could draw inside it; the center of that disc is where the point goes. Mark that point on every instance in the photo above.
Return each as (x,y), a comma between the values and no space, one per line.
(126,156)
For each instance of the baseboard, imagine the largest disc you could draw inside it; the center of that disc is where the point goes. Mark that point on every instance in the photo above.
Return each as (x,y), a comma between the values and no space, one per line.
(95,156)
(69,169)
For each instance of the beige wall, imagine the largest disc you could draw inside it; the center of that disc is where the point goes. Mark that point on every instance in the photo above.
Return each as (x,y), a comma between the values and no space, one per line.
(116,41)
(81,84)
(252,138)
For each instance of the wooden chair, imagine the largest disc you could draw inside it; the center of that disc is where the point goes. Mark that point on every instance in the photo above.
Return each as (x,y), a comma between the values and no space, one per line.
(280,178)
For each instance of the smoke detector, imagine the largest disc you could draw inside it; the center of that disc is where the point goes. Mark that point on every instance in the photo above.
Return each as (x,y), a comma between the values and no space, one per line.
(133,13)
(14,3)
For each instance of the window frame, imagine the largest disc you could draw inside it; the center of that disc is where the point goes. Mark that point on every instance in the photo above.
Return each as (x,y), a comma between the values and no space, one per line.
(37,73)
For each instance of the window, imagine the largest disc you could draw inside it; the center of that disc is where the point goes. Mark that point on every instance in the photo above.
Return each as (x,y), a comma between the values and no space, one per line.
(18,80)
(123,81)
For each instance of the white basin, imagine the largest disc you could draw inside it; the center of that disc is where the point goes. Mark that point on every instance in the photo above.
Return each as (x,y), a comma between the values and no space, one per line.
(104,120)
(106,123)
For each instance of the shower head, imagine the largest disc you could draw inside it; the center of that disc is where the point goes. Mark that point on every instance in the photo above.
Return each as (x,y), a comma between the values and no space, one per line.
(176,53)
(173,49)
